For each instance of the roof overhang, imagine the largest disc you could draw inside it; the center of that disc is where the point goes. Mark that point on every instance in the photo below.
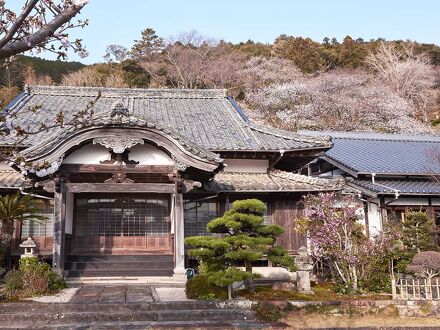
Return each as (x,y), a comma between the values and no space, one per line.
(184,153)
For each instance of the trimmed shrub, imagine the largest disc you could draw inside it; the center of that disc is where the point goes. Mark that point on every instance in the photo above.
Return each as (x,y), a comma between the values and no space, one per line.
(199,288)
(426,264)
(32,278)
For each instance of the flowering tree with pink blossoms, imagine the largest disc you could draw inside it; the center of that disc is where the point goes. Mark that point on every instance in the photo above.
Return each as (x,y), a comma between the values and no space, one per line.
(40,25)
(337,236)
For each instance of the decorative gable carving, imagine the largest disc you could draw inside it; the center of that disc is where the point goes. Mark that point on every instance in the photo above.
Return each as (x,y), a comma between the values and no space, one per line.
(119,110)
(118,143)
(119,178)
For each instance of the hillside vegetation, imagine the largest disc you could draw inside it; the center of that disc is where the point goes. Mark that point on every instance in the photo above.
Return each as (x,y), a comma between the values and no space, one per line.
(294,83)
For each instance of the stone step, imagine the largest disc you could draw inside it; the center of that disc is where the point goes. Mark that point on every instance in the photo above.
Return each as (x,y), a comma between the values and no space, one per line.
(114,258)
(132,325)
(119,272)
(128,265)
(48,317)
(12,308)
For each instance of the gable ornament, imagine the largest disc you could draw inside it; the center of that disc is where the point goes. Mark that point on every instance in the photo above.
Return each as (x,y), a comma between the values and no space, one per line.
(180,166)
(118,143)
(119,110)
(119,178)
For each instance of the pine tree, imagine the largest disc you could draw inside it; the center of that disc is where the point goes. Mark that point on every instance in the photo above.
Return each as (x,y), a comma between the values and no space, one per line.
(243,239)
(418,234)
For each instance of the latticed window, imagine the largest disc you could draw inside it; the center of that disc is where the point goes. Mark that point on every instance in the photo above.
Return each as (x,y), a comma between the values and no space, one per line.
(39,228)
(197,215)
(122,216)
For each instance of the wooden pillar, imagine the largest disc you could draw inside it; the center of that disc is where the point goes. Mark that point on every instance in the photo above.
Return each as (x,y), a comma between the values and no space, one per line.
(59,228)
(179,236)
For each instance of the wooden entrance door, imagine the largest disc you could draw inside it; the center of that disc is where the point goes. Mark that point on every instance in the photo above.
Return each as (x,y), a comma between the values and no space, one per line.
(122,223)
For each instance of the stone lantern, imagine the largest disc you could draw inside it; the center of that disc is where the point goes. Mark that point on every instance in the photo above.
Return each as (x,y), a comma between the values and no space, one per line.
(29,246)
(304,264)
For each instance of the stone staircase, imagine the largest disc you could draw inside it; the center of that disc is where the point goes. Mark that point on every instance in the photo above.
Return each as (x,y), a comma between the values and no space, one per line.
(185,314)
(118,265)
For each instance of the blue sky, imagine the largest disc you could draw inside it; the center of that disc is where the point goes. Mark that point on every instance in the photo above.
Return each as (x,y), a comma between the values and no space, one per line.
(120,21)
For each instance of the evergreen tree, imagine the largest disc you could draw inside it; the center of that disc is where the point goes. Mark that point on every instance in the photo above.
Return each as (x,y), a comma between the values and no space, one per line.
(418,234)
(149,45)
(243,240)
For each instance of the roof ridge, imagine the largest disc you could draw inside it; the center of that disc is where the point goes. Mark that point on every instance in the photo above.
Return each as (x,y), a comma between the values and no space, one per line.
(118,92)
(428,139)
(287,134)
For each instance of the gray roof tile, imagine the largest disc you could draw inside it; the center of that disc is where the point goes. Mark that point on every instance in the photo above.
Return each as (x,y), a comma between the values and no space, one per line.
(276,181)
(366,153)
(403,186)
(205,117)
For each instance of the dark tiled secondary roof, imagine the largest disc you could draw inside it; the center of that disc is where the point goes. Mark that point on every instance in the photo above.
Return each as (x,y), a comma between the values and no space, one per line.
(205,117)
(366,153)
(402,186)
(277,181)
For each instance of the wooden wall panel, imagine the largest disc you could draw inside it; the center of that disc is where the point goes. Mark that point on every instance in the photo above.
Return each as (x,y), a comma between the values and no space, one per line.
(285,212)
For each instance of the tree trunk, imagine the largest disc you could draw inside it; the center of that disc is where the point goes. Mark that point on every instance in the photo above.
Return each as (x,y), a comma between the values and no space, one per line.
(354,278)
(249,284)
(6,232)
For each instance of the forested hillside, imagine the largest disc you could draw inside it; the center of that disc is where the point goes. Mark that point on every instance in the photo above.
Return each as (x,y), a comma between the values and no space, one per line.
(293,83)
(22,70)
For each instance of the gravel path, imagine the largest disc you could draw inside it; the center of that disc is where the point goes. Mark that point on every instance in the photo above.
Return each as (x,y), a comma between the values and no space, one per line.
(171,294)
(63,296)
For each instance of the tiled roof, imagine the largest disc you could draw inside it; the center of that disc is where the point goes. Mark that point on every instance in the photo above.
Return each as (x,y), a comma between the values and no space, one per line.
(205,117)
(275,181)
(366,153)
(402,186)
(132,121)
(10,179)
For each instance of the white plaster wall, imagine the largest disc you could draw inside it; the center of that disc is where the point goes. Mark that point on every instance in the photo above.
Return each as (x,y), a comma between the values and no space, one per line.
(374,217)
(333,173)
(147,154)
(94,154)
(69,214)
(247,165)
(88,154)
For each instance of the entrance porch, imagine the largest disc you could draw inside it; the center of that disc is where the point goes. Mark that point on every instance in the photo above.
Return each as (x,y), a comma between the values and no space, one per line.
(102,231)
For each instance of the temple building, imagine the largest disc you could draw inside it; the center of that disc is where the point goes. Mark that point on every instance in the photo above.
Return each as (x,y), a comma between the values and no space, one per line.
(145,169)
(391,174)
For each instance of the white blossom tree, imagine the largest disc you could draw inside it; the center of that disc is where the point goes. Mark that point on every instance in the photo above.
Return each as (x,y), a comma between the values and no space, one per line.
(41,25)
(335,100)
(409,74)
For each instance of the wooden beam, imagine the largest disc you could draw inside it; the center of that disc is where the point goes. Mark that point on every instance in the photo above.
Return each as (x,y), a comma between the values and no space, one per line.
(121,187)
(112,168)
(59,229)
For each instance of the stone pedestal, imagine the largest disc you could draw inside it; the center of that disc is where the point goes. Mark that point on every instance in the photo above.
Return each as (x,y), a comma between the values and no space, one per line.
(304,264)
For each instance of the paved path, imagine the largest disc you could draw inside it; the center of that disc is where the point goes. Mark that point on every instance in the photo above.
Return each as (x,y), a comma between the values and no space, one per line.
(114,294)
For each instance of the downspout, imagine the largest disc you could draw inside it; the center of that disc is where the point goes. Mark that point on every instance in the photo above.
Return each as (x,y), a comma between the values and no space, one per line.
(396,192)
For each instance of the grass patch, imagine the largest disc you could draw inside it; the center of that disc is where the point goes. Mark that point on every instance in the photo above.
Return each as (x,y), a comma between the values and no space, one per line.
(323,292)
(301,320)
